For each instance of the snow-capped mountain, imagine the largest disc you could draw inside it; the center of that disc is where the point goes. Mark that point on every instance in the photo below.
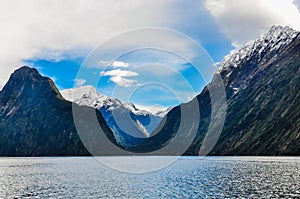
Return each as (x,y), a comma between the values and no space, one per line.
(87,95)
(260,51)
(129,124)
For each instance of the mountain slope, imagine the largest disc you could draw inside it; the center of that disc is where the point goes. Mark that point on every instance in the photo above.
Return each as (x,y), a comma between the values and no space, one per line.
(35,120)
(129,124)
(263,117)
(263,112)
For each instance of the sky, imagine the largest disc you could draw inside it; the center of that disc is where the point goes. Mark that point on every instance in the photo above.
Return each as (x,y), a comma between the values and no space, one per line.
(152,53)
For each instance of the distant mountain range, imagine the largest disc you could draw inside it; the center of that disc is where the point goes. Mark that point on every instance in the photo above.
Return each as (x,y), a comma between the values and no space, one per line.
(128,123)
(262,82)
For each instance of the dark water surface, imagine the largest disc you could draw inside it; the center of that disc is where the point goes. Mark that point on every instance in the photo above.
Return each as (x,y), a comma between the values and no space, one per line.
(188,177)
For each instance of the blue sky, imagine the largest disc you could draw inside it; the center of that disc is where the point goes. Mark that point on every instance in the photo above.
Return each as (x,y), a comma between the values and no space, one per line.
(148,76)
(87,42)
(159,77)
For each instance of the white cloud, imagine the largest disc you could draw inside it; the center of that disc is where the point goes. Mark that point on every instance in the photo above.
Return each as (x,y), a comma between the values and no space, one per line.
(53,29)
(117,64)
(121,81)
(158,40)
(80,82)
(103,63)
(245,20)
(118,72)
(297,3)
(118,77)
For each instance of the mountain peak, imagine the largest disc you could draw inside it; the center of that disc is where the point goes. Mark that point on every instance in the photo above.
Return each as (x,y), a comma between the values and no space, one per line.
(276,37)
(26,68)
(282,29)
(28,83)
(277,33)
(245,62)
(84,95)
(25,71)
(26,74)
(87,88)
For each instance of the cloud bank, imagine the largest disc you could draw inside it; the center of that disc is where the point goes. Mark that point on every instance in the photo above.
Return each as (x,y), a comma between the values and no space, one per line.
(245,20)
(56,30)
(53,29)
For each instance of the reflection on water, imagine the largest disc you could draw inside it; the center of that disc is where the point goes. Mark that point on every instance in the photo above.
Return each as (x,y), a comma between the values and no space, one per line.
(189,177)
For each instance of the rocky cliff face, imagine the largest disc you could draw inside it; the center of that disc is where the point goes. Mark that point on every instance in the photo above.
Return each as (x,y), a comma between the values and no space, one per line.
(35,120)
(262,82)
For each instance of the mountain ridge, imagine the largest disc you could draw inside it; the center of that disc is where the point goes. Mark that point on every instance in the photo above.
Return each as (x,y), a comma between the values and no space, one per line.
(263,49)
(35,120)
(251,112)
(267,65)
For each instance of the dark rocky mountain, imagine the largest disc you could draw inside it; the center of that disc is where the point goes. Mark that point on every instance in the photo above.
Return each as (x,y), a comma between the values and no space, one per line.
(262,82)
(263,115)
(35,120)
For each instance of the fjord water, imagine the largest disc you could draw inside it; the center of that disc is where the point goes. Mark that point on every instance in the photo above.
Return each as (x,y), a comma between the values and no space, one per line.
(188,177)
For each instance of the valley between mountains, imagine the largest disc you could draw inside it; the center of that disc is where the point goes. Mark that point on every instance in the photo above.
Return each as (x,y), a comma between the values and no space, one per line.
(261,80)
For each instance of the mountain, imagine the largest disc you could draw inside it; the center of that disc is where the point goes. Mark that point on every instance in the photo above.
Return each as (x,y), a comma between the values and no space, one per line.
(262,82)
(129,124)
(35,120)
(263,115)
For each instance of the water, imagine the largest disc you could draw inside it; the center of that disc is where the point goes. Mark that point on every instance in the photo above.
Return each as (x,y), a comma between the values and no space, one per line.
(189,177)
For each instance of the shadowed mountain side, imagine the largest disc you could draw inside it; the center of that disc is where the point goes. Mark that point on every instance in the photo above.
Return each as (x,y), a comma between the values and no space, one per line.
(36,121)
(262,82)
(264,118)
(180,128)
(263,110)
